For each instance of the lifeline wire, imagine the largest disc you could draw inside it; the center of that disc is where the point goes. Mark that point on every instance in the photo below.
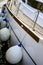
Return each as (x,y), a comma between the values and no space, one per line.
(23,46)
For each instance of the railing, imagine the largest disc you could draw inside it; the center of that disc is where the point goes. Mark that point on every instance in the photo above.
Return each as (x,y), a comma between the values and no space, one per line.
(34,20)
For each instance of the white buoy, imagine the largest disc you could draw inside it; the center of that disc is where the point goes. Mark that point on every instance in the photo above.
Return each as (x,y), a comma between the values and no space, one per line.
(4,34)
(3,24)
(14,54)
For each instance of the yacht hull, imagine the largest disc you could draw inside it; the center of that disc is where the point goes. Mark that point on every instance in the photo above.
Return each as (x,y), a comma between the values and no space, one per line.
(31,45)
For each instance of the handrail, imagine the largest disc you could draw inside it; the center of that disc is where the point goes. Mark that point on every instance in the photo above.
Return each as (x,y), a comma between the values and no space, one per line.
(36,20)
(18,9)
(31,20)
(26,28)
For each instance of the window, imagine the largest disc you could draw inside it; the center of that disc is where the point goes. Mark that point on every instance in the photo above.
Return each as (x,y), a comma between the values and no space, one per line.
(34,4)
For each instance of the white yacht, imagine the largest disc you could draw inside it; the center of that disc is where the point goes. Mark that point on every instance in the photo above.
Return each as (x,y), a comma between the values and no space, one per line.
(26,25)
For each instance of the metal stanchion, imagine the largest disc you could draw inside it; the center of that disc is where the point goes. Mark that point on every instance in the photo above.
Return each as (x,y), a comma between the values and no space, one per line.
(39,6)
(36,20)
